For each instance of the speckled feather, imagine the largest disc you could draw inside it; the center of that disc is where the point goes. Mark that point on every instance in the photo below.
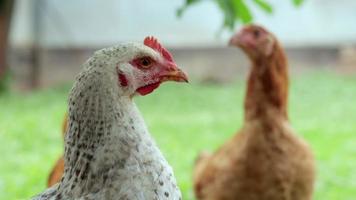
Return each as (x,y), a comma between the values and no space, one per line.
(109,153)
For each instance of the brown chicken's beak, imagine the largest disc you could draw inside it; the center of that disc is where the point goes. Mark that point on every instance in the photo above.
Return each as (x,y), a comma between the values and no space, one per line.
(175,75)
(232,42)
(235,40)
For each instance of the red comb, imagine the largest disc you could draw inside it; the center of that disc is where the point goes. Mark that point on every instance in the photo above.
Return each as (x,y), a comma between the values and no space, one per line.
(152,42)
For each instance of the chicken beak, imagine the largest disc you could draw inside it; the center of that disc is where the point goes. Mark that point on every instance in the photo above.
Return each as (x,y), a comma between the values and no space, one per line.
(173,73)
(235,40)
(232,42)
(176,75)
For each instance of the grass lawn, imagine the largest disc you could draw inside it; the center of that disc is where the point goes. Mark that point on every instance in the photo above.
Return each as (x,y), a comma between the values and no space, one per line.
(185,119)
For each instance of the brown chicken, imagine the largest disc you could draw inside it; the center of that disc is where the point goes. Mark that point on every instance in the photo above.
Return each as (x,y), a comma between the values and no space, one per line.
(57,171)
(266,160)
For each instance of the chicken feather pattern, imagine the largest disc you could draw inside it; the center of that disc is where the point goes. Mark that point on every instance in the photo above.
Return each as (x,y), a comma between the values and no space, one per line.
(109,153)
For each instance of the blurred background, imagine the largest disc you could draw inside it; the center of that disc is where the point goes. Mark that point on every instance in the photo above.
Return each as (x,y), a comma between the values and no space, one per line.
(44,42)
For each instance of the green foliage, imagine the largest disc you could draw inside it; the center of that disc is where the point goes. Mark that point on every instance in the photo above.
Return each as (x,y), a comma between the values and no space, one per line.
(185,119)
(298,2)
(235,10)
(265,6)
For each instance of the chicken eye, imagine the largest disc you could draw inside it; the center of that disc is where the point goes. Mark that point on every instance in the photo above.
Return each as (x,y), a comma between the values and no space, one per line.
(256,33)
(146,62)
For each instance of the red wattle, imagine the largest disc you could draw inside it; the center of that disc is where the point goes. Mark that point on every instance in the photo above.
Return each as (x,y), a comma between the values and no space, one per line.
(148,88)
(123,80)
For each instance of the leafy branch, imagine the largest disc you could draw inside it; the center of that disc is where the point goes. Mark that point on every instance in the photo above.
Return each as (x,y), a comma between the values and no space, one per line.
(235,10)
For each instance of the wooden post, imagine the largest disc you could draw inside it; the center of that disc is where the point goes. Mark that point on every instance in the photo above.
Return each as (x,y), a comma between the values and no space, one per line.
(6,7)
(35,71)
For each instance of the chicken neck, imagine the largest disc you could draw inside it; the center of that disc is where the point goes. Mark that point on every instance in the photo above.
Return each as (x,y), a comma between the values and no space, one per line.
(267,89)
(106,134)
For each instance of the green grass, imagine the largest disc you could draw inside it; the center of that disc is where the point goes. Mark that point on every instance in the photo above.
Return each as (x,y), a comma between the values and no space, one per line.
(185,119)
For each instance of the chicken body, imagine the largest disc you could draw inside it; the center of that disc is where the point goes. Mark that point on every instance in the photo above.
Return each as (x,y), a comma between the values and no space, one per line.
(266,160)
(109,153)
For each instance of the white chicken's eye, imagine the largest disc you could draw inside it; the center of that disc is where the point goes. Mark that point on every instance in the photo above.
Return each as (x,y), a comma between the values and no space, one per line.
(146,62)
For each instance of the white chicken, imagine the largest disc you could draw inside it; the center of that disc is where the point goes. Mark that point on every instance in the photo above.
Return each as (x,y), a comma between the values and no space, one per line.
(109,153)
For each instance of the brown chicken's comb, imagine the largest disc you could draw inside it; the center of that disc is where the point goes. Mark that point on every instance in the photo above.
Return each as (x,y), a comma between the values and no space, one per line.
(152,42)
